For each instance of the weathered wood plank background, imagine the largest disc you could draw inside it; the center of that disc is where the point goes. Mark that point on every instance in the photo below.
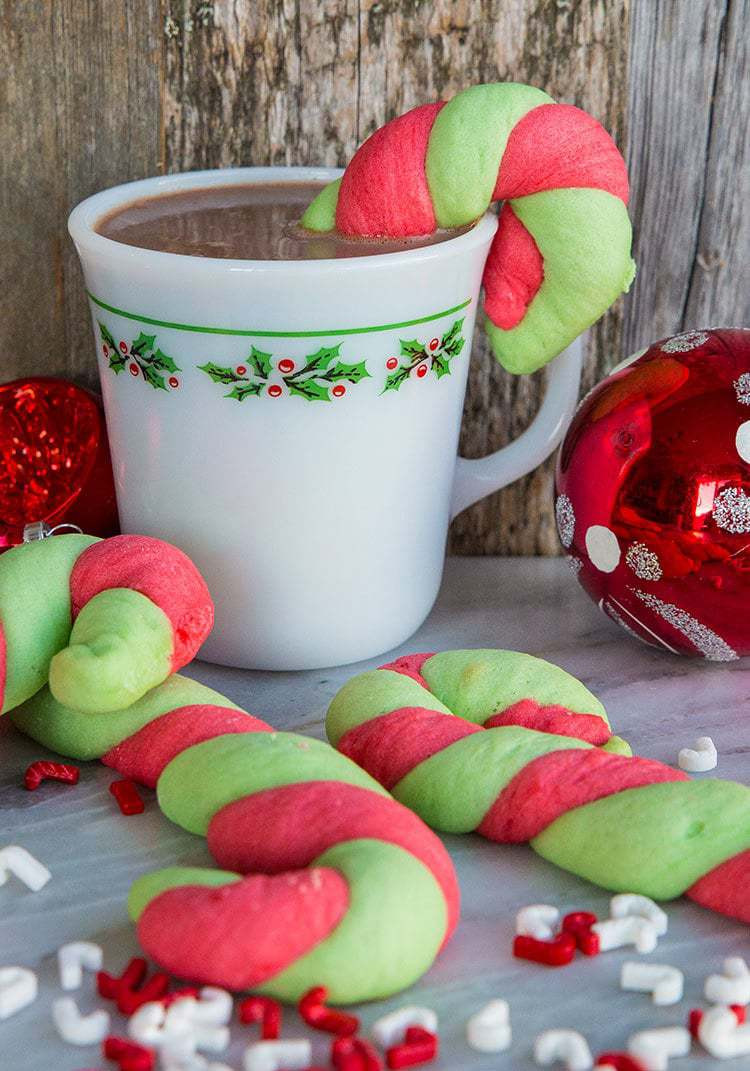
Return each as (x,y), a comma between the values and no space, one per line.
(96,93)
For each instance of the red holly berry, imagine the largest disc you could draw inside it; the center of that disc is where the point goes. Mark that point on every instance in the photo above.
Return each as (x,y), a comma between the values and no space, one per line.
(435,343)
(339,390)
(241,369)
(174,381)
(105,349)
(124,347)
(422,371)
(133,369)
(286,365)
(391,362)
(274,390)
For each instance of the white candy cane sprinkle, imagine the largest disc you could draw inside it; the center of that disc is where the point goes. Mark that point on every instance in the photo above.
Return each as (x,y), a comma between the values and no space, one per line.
(79,1029)
(17,861)
(73,957)
(489,1030)
(566,1047)
(700,758)
(390,1029)
(666,984)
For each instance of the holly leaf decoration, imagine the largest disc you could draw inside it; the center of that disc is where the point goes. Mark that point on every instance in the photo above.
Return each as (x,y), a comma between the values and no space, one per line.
(153,377)
(142,345)
(316,362)
(219,373)
(245,390)
(395,379)
(261,362)
(441,365)
(352,372)
(117,361)
(453,341)
(161,361)
(107,336)
(413,349)
(310,389)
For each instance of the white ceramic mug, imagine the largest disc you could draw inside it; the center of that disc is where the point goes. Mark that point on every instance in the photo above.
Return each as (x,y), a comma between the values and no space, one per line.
(293,426)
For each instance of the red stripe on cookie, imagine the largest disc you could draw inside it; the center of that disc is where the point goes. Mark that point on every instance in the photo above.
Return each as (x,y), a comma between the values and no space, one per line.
(142,756)
(724,888)
(239,935)
(301,821)
(391,745)
(556,783)
(156,569)
(559,146)
(410,666)
(513,272)
(552,719)
(384,189)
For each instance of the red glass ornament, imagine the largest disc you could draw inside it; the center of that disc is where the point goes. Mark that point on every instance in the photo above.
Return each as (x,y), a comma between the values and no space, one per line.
(653,494)
(54,459)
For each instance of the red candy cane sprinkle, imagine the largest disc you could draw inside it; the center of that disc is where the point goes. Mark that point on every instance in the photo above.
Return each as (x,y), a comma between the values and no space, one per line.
(557,953)
(578,924)
(263,1010)
(127,797)
(313,1010)
(128,1055)
(354,1054)
(621,1061)
(44,770)
(130,998)
(420,1046)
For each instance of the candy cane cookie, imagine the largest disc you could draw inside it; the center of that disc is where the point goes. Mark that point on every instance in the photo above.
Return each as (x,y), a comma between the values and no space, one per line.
(561,254)
(343,887)
(103,620)
(517,750)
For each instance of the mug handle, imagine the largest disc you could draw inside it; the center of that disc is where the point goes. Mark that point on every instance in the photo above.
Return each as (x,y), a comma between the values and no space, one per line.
(475,479)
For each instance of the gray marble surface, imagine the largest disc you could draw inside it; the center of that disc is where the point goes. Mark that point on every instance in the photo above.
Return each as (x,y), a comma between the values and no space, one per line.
(659,702)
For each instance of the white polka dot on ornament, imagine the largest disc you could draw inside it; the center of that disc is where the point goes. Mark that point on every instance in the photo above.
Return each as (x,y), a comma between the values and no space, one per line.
(603,548)
(742,441)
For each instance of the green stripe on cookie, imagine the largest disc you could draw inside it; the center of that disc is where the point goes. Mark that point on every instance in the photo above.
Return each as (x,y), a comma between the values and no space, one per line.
(35,610)
(658,840)
(320,214)
(466,146)
(476,684)
(120,647)
(454,789)
(149,886)
(89,736)
(230,767)
(584,236)
(371,694)
(385,883)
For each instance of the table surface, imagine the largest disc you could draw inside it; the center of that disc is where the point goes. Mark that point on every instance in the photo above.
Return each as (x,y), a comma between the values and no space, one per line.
(659,702)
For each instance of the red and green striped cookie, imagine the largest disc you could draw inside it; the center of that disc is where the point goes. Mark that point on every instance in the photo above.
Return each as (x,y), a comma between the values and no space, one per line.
(103,620)
(325,879)
(517,750)
(561,254)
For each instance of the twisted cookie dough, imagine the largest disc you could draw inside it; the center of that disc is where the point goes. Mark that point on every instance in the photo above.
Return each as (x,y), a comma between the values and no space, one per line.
(561,254)
(518,750)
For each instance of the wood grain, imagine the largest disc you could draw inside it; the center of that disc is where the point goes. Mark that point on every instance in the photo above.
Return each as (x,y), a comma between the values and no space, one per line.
(97,93)
(689,159)
(79,110)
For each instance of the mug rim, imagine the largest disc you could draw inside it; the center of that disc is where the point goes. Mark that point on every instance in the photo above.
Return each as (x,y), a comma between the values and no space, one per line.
(84,217)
